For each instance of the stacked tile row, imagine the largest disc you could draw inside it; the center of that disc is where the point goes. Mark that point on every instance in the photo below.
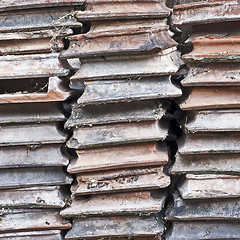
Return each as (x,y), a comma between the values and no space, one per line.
(207,203)
(33,84)
(127,58)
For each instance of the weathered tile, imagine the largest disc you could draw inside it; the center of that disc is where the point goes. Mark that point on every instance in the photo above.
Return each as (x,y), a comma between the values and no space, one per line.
(34,34)
(212,74)
(28,177)
(31,66)
(207,49)
(165,63)
(122,180)
(35,197)
(214,121)
(117,133)
(205,143)
(44,133)
(32,156)
(30,113)
(41,41)
(26,4)
(212,98)
(118,42)
(230,28)
(124,156)
(132,238)
(124,24)
(37,19)
(225,163)
(33,235)
(210,186)
(56,91)
(192,210)
(130,226)
(206,12)
(114,113)
(103,10)
(116,204)
(124,90)
(200,230)
(178,2)
(18,220)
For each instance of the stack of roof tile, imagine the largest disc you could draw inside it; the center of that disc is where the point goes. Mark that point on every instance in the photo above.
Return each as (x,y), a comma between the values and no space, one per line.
(31,162)
(207,205)
(126,58)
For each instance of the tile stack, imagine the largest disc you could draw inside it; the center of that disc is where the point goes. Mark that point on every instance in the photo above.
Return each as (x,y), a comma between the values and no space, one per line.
(127,59)
(32,85)
(207,203)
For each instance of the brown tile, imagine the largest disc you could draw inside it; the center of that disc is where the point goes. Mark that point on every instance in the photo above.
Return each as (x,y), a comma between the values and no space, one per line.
(41,41)
(206,12)
(165,63)
(124,156)
(118,42)
(214,48)
(31,66)
(26,4)
(212,98)
(212,74)
(100,9)
(56,91)
(19,220)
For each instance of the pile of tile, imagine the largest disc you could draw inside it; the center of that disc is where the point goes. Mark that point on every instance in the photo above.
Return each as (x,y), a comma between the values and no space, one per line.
(32,190)
(127,59)
(207,203)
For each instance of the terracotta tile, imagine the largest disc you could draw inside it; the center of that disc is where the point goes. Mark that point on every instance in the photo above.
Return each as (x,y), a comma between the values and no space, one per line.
(114,157)
(206,12)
